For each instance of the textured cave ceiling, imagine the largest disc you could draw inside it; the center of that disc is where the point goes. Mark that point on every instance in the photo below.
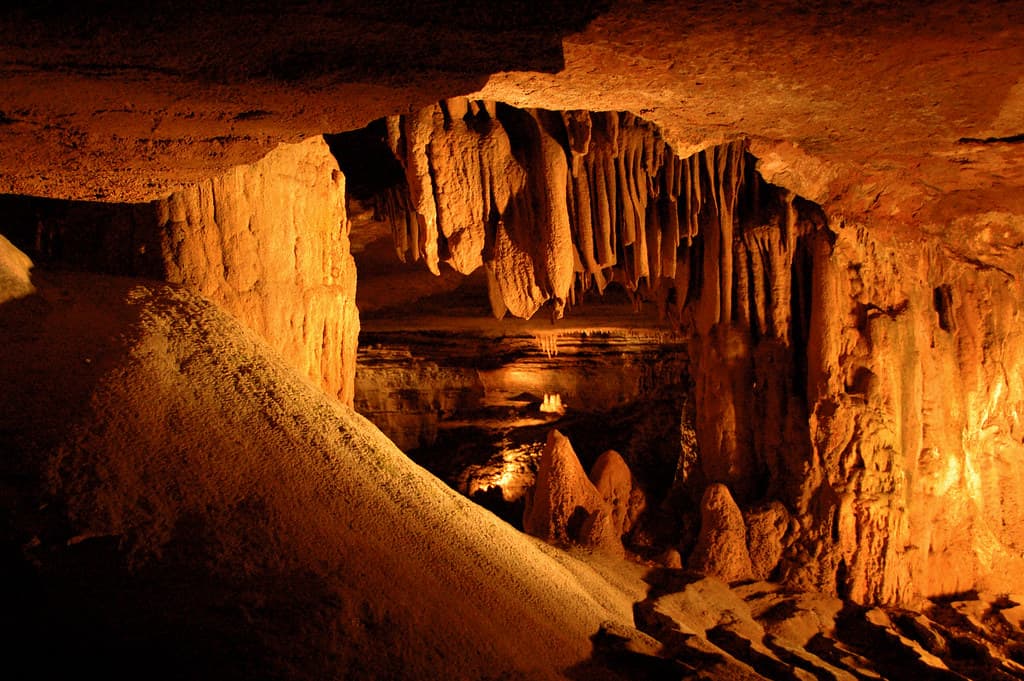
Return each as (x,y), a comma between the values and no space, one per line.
(899,114)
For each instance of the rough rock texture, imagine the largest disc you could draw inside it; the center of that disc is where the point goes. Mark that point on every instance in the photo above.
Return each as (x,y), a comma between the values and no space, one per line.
(152,526)
(914,375)
(892,390)
(546,227)
(766,528)
(817,352)
(268,242)
(15,281)
(721,549)
(614,482)
(565,508)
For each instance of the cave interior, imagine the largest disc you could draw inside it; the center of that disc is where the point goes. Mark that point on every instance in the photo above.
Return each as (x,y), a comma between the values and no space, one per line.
(598,340)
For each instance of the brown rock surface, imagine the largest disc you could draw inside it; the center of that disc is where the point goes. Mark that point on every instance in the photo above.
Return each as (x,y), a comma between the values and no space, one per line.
(159,527)
(269,243)
(721,549)
(859,360)
(614,482)
(766,528)
(564,507)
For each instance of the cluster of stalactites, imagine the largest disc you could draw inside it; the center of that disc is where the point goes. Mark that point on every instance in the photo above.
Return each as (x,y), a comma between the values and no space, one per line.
(554,203)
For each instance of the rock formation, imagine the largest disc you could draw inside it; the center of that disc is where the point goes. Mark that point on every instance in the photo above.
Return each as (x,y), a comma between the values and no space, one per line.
(827,200)
(721,549)
(268,242)
(547,227)
(812,341)
(15,281)
(614,482)
(565,508)
(766,529)
(153,526)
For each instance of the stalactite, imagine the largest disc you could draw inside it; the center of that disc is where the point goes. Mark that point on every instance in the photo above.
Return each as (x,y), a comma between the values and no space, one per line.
(549,198)
(418,131)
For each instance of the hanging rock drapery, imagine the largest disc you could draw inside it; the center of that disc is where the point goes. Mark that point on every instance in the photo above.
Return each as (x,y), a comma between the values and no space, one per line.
(555,202)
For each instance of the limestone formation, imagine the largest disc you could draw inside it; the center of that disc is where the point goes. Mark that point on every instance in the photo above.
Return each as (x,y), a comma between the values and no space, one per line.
(766,528)
(619,210)
(268,242)
(614,482)
(170,531)
(565,508)
(721,549)
(815,347)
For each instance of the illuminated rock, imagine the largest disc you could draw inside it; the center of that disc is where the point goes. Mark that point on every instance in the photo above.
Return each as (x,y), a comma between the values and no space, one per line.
(276,521)
(614,482)
(552,404)
(766,528)
(269,244)
(14,272)
(721,549)
(564,507)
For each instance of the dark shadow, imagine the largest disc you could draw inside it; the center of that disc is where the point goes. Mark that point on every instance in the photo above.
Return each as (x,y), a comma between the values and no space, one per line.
(122,239)
(300,42)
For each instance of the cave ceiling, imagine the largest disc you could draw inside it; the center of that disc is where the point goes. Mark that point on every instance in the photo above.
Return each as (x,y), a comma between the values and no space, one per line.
(894,114)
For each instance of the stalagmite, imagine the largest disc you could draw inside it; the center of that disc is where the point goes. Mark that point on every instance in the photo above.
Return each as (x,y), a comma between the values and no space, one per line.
(721,549)
(565,508)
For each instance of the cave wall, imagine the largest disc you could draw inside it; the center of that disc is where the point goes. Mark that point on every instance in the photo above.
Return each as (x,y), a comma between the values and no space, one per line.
(915,381)
(267,242)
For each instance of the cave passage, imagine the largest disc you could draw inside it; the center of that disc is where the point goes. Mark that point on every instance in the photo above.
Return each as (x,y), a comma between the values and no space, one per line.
(506,256)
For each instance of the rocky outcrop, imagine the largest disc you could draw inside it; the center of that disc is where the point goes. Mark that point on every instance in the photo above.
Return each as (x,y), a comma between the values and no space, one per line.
(817,348)
(267,242)
(179,500)
(564,507)
(554,203)
(614,482)
(721,549)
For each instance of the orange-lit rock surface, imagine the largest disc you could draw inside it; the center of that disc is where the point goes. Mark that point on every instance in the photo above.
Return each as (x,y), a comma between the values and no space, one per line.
(565,507)
(268,242)
(721,549)
(14,272)
(853,306)
(158,527)
(842,372)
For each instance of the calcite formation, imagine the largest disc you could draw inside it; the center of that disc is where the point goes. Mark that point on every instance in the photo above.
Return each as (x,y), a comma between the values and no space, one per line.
(554,203)
(817,346)
(267,242)
(15,281)
(830,207)
(721,549)
(565,507)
